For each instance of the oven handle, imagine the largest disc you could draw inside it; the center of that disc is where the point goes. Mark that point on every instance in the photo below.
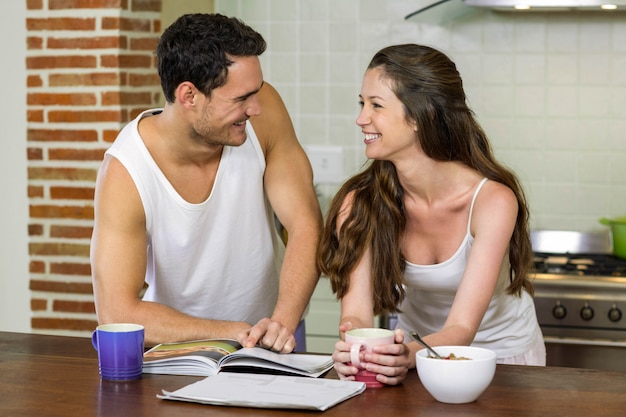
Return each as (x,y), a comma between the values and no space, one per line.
(585,342)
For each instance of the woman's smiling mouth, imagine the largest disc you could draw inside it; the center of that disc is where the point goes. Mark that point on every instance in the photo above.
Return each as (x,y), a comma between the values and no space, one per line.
(371,137)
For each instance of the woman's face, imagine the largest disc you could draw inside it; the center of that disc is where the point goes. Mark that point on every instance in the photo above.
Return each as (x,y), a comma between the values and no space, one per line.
(388,135)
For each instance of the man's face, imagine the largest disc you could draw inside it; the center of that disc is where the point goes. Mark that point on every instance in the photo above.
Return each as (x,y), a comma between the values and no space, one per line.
(223,116)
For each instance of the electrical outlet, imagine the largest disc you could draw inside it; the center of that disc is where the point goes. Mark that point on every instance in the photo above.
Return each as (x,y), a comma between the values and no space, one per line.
(327,163)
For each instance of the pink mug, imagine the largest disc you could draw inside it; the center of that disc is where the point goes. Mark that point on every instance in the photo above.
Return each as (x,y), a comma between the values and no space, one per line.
(363,340)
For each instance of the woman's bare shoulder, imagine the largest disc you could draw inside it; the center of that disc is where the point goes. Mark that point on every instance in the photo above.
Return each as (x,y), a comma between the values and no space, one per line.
(496,205)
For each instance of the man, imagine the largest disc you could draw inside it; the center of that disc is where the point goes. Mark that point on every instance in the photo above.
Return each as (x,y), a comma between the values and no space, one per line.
(186,197)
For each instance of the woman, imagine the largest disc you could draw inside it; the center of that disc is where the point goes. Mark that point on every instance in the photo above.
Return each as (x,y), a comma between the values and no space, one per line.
(434,228)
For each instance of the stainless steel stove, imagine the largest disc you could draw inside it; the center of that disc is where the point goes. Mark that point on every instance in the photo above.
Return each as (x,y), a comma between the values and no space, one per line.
(580,299)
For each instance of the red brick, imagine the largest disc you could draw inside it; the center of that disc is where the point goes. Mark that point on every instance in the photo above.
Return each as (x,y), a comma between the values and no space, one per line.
(89,79)
(140,80)
(69,60)
(127,24)
(135,25)
(145,5)
(98,42)
(34,4)
(71,232)
(34,42)
(144,44)
(61,61)
(63,23)
(87,4)
(110,23)
(42,323)
(34,81)
(34,115)
(59,249)
(91,116)
(72,193)
(124,98)
(35,230)
(61,135)
(126,61)
(109,135)
(58,231)
(125,115)
(73,306)
(38,304)
(46,211)
(61,173)
(35,267)
(61,99)
(34,154)
(76,154)
(70,268)
(61,287)
(35,191)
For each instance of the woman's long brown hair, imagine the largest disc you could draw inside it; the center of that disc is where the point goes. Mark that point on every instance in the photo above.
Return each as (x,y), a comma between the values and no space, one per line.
(428,84)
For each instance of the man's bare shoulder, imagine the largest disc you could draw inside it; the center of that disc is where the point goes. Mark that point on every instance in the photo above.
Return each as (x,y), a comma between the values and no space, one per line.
(115,186)
(273,122)
(112,170)
(269,95)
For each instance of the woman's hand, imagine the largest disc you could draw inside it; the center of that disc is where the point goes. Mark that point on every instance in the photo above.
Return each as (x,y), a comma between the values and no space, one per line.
(390,362)
(341,355)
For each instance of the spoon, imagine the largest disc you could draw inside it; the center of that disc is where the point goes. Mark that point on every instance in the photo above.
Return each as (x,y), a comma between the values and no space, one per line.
(419,340)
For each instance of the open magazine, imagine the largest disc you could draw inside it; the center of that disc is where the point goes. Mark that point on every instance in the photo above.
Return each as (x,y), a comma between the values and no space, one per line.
(209,357)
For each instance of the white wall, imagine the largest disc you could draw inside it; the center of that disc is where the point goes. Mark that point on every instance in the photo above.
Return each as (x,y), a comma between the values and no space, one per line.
(14,295)
(549,88)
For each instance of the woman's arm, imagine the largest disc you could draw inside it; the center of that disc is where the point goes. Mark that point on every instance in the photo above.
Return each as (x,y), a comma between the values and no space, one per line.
(390,362)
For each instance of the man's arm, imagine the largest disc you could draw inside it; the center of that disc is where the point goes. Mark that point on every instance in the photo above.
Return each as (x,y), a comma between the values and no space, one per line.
(118,262)
(289,186)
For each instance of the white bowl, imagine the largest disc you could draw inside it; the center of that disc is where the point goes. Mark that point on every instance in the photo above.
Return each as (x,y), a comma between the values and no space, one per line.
(456,381)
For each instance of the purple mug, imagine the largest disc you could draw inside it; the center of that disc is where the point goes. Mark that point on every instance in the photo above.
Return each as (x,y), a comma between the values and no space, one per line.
(120,350)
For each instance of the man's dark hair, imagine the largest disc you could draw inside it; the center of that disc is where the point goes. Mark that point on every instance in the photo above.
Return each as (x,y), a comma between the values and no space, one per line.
(197,48)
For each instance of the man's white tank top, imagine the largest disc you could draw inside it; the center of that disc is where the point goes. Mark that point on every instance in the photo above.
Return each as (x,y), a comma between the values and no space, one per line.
(509,325)
(219,259)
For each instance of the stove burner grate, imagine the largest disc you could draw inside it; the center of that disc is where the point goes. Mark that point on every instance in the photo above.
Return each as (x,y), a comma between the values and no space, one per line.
(580,264)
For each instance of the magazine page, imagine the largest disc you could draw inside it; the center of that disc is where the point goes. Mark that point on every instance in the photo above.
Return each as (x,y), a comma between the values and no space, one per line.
(267,391)
(289,363)
(197,358)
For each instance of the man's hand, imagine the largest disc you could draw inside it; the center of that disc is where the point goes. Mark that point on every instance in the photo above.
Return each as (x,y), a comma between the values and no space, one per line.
(268,334)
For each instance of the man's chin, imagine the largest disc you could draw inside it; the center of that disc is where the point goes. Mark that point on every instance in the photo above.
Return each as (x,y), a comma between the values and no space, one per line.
(238,140)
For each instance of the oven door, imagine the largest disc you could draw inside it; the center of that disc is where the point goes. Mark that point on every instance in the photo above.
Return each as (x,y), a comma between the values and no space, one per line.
(586,353)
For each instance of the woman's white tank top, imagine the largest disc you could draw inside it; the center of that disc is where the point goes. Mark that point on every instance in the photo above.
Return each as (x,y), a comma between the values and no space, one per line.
(509,324)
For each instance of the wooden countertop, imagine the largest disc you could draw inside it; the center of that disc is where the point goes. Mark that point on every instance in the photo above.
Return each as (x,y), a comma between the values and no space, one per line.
(58,376)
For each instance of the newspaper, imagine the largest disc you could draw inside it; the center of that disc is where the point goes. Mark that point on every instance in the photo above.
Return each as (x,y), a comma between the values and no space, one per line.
(267,391)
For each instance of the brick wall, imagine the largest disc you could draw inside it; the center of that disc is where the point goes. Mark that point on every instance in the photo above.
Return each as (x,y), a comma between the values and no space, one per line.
(90,70)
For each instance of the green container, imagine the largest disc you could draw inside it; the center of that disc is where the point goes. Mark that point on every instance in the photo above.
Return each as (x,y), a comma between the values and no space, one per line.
(618,234)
